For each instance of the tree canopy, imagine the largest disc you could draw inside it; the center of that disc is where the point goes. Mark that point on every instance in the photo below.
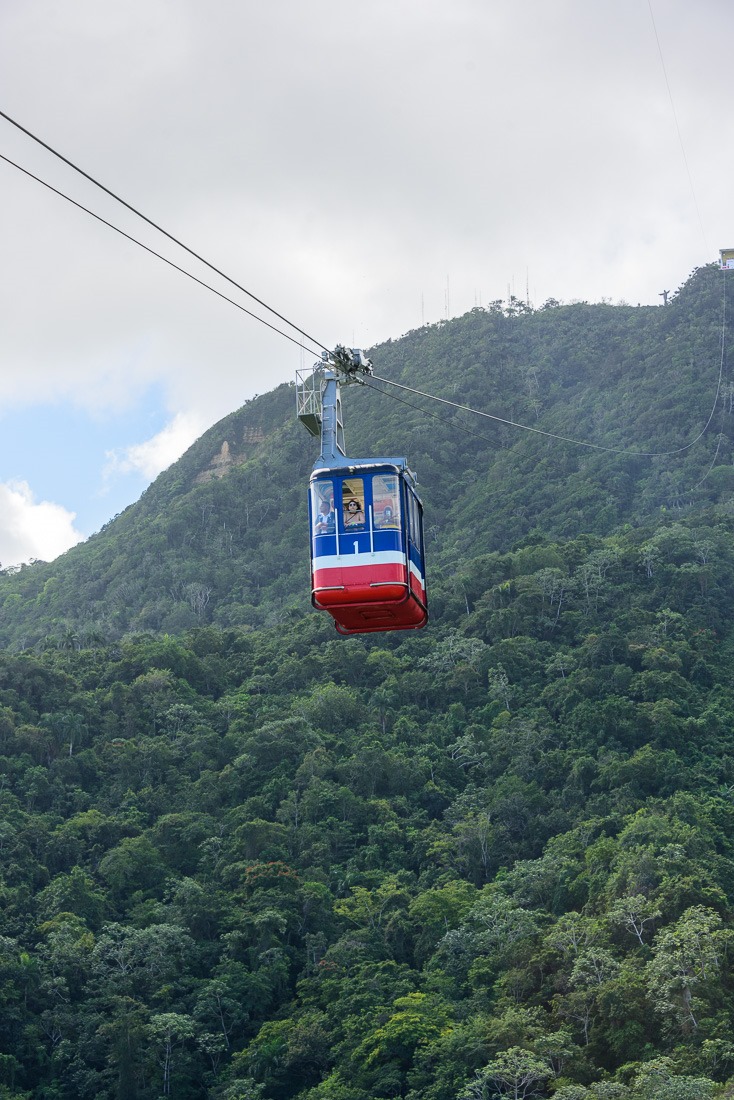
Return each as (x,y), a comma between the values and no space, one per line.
(241,857)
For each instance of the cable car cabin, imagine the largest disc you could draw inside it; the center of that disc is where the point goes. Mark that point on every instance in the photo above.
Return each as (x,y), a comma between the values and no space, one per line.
(726,259)
(367,564)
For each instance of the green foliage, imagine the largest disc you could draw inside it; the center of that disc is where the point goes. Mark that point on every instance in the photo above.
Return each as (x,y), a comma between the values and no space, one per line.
(242,859)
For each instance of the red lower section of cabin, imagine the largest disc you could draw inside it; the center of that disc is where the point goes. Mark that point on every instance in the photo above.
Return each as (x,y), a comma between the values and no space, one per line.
(364,605)
(358,576)
(367,618)
(417,588)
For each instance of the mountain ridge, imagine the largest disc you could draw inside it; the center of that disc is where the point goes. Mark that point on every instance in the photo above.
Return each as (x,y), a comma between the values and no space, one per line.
(630,378)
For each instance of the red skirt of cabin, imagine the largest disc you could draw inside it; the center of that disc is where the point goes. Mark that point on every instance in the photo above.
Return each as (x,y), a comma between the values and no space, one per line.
(370,598)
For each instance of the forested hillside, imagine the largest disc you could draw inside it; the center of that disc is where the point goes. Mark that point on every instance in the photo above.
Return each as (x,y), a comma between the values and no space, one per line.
(220,539)
(242,858)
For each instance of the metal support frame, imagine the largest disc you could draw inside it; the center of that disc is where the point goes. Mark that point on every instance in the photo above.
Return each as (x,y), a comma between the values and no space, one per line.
(332,426)
(318,397)
(308,398)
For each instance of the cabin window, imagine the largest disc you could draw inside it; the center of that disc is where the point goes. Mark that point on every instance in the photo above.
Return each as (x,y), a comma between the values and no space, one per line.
(353,502)
(322,507)
(415,523)
(385,501)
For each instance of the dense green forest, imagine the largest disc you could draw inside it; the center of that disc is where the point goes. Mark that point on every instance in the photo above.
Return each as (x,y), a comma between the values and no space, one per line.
(242,858)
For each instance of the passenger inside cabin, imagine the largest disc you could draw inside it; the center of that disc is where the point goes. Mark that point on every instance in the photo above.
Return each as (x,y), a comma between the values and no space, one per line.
(326,519)
(387,519)
(353,514)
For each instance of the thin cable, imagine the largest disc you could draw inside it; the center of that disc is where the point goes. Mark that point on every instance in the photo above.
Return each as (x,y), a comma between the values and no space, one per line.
(712,463)
(723,411)
(425,412)
(677,127)
(570,439)
(158,255)
(160,229)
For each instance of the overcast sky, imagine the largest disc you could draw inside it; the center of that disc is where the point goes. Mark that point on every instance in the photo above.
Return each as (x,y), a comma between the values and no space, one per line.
(362,167)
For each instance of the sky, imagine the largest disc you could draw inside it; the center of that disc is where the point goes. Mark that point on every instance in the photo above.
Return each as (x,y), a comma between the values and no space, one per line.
(363,168)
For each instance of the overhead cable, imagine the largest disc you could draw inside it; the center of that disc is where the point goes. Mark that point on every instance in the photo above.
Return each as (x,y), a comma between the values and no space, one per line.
(570,439)
(723,411)
(159,228)
(158,255)
(425,412)
(677,126)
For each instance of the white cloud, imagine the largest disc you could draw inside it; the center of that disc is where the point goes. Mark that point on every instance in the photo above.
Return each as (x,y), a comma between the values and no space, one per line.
(32,529)
(493,148)
(156,454)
